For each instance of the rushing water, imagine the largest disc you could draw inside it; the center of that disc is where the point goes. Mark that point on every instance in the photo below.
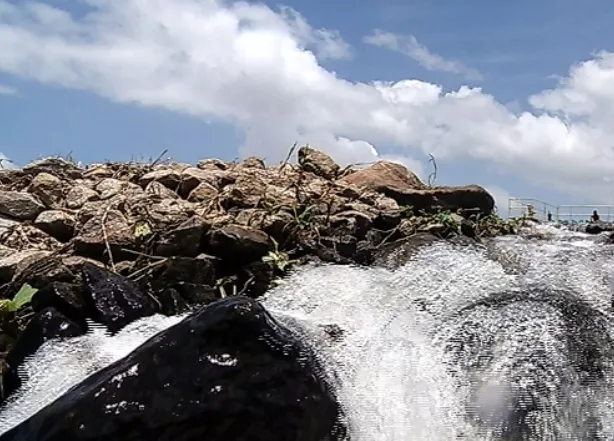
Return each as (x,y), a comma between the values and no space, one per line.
(412,361)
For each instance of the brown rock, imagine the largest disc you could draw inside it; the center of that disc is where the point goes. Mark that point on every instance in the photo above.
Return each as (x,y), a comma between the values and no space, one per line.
(13,261)
(257,188)
(169,177)
(253,162)
(183,240)
(204,192)
(168,213)
(392,179)
(48,188)
(98,172)
(56,223)
(20,205)
(317,162)
(277,225)
(238,243)
(91,241)
(208,164)
(160,190)
(57,167)
(28,237)
(78,195)
(110,187)
(192,177)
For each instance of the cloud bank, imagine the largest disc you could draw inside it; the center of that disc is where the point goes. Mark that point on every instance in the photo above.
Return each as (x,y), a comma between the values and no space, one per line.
(260,69)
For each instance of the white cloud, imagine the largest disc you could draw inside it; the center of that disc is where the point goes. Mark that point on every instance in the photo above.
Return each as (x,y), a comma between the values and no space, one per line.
(260,69)
(6,90)
(409,46)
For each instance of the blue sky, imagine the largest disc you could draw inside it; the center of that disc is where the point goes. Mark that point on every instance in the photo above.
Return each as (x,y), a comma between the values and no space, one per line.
(111,79)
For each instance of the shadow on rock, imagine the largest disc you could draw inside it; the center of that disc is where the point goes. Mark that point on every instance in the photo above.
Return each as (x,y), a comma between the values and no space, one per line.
(228,372)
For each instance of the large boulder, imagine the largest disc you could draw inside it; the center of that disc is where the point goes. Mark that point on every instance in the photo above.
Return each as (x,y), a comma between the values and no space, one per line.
(228,372)
(392,179)
(397,182)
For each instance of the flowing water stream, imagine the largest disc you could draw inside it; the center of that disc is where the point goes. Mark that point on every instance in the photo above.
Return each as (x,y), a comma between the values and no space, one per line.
(452,345)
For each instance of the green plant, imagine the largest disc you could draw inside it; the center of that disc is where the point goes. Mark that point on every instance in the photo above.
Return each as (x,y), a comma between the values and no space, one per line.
(407,211)
(22,298)
(279,260)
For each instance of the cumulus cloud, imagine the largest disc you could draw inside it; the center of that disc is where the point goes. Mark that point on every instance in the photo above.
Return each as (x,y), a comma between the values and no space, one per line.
(409,46)
(6,90)
(261,70)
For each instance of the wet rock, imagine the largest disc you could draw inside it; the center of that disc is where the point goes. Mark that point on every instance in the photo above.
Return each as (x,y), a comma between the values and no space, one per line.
(78,195)
(199,270)
(238,243)
(399,252)
(317,162)
(45,325)
(48,189)
(20,205)
(597,228)
(66,298)
(227,372)
(56,223)
(115,300)
(171,302)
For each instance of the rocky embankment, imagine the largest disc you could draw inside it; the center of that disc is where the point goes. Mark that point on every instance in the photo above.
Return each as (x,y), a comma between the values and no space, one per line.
(183,235)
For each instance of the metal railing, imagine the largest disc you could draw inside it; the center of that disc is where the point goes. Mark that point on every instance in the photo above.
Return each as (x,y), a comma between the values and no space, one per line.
(564,214)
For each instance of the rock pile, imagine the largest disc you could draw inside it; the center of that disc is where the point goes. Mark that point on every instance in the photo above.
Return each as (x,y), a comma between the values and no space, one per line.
(183,235)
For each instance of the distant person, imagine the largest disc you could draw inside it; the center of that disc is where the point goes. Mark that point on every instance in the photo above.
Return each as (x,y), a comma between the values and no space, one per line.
(595,216)
(549,217)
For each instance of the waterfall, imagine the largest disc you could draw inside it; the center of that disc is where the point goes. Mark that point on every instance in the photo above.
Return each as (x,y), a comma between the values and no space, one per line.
(436,349)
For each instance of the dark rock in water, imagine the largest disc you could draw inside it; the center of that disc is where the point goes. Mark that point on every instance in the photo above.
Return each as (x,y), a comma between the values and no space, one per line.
(64,297)
(45,325)
(594,228)
(229,372)
(116,301)
(535,379)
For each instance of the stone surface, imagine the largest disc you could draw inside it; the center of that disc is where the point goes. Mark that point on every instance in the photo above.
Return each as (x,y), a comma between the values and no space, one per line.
(115,301)
(389,178)
(228,372)
(317,162)
(56,223)
(78,195)
(48,189)
(241,244)
(19,205)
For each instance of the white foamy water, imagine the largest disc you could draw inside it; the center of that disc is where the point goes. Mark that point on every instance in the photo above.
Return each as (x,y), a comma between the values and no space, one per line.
(408,366)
